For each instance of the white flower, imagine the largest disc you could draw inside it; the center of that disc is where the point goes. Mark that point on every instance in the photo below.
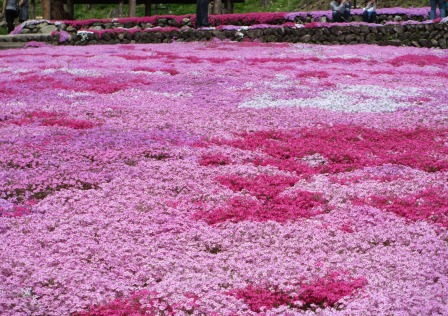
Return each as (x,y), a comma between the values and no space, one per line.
(239,34)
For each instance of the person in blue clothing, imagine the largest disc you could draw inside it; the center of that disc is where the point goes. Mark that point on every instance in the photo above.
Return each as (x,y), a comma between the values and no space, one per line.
(10,12)
(442,8)
(369,12)
(23,12)
(202,13)
(341,10)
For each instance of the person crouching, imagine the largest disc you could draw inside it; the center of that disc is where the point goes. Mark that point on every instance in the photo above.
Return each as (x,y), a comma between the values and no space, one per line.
(341,10)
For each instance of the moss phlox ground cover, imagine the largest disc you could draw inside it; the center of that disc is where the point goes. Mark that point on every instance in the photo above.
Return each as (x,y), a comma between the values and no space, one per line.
(223,178)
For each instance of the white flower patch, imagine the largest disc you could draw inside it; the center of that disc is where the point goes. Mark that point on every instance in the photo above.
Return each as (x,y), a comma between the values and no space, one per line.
(15,71)
(345,98)
(75,95)
(72,71)
(174,95)
(245,85)
(308,50)
(315,160)
(84,35)
(153,73)
(281,77)
(144,72)
(262,101)
(239,34)
(279,82)
(17,104)
(195,73)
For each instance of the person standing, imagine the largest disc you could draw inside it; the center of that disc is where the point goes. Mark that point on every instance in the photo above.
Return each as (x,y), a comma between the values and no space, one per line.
(341,10)
(10,12)
(23,12)
(202,13)
(369,12)
(434,4)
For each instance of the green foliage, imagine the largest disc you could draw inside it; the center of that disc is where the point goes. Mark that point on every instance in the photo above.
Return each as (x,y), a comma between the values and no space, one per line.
(104,11)
(101,11)
(96,11)
(268,6)
(176,9)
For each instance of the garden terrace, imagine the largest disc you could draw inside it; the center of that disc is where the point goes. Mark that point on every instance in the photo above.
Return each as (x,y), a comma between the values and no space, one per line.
(419,35)
(248,19)
(397,27)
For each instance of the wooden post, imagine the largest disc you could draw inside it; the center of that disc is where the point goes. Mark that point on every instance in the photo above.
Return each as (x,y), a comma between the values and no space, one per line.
(46,9)
(229,6)
(147,7)
(33,9)
(71,9)
(217,7)
(120,8)
(132,4)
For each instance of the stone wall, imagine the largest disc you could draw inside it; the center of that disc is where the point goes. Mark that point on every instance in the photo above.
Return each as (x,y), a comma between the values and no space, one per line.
(188,21)
(419,35)
(165,30)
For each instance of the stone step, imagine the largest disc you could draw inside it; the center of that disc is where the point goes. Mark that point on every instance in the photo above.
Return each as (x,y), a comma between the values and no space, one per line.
(20,40)
(8,45)
(24,37)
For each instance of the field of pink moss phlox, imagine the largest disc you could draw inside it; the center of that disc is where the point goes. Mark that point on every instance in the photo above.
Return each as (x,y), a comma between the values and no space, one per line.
(223,178)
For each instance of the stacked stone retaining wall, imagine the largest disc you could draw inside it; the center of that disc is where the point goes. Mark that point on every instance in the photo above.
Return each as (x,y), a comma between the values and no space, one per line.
(398,27)
(418,34)
(216,21)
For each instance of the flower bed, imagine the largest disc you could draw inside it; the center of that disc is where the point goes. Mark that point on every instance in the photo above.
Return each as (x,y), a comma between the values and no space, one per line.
(413,32)
(247,19)
(223,178)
